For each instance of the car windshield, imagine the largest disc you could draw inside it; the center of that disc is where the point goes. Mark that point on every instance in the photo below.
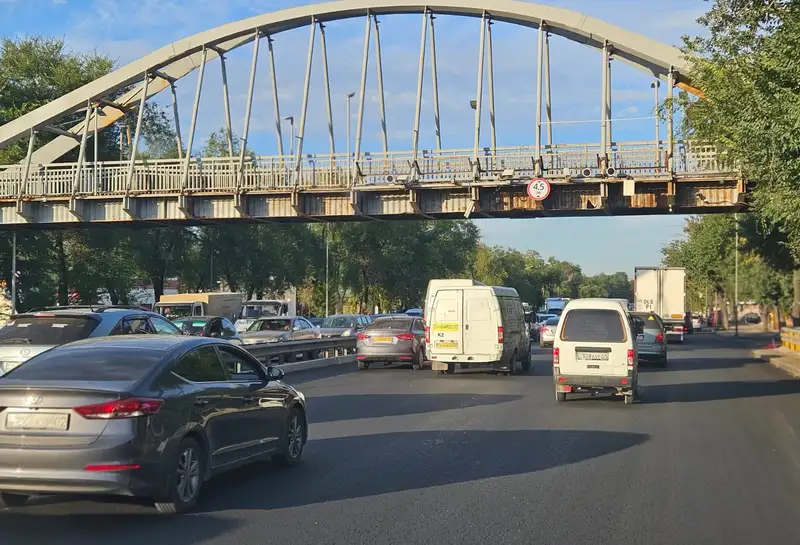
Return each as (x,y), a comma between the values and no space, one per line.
(47,330)
(339,321)
(172,312)
(88,363)
(271,325)
(395,324)
(250,312)
(191,326)
(593,325)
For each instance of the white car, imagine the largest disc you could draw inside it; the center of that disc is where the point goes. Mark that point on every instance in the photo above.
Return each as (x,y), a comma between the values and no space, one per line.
(697,324)
(547,332)
(595,349)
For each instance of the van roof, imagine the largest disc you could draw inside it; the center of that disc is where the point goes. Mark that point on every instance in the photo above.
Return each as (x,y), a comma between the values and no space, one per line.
(595,302)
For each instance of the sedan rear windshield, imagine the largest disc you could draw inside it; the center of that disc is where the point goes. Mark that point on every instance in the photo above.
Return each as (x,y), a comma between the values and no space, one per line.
(191,327)
(394,324)
(47,330)
(88,363)
(271,325)
(593,325)
(552,321)
(339,321)
(650,321)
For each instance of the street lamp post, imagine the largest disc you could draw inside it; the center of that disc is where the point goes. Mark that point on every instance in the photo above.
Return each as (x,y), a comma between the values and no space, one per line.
(736,279)
(327,250)
(290,119)
(348,96)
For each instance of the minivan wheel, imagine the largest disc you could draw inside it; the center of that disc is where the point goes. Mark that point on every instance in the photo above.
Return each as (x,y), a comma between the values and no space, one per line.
(629,398)
(13,500)
(186,479)
(526,361)
(451,368)
(513,364)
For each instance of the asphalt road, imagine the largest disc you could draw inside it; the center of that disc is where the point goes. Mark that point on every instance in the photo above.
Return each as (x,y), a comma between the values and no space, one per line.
(710,456)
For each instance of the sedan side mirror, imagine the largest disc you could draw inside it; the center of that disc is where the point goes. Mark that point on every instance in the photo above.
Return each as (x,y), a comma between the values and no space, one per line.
(275,373)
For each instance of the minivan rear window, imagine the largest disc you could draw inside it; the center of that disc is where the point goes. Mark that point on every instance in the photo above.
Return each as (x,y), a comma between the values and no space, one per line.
(47,330)
(88,363)
(593,325)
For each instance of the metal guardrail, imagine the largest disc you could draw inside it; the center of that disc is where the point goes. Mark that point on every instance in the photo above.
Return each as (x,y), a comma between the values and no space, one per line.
(790,338)
(337,171)
(281,353)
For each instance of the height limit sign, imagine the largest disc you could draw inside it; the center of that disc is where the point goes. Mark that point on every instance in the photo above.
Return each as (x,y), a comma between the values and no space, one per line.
(538,189)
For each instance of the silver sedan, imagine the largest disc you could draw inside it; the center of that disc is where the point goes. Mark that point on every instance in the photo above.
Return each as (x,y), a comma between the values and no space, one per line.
(394,339)
(547,333)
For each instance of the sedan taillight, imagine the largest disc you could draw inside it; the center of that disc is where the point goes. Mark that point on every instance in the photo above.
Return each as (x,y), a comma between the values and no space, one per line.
(123,408)
(362,336)
(405,336)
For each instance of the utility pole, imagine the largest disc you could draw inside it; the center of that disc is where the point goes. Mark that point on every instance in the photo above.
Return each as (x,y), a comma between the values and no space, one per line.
(14,273)
(327,253)
(736,280)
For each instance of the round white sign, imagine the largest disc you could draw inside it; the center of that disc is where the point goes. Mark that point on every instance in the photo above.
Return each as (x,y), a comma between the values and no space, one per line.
(538,189)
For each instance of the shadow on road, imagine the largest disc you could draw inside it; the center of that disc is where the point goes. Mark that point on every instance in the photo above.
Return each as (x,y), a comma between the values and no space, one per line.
(369,465)
(98,525)
(354,407)
(712,391)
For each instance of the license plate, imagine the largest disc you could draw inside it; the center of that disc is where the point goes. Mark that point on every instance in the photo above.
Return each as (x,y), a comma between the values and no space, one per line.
(37,421)
(382,339)
(593,356)
(446,344)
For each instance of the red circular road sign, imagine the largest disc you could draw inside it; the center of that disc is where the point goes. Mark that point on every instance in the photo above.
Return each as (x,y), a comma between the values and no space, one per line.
(538,189)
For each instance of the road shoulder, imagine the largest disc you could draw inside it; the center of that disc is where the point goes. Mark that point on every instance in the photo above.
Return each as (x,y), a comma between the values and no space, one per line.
(782,358)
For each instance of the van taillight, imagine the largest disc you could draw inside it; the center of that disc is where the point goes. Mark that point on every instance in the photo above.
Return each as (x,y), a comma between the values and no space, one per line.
(555,357)
(660,337)
(500,335)
(427,334)
(630,358)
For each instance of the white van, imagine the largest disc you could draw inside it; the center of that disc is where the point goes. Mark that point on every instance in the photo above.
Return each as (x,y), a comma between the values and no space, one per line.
(436,284)
(595,349)
(477,326)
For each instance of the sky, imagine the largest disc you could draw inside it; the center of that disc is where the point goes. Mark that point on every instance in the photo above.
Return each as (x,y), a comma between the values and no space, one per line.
(126,30)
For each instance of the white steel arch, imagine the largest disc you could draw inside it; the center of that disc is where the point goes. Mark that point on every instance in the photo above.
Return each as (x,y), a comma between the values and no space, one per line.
(174,61)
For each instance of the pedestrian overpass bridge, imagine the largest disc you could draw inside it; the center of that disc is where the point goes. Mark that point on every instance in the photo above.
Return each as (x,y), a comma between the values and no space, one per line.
(607,177)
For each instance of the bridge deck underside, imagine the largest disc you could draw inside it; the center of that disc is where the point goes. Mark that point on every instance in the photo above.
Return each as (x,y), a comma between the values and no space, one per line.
(502,199)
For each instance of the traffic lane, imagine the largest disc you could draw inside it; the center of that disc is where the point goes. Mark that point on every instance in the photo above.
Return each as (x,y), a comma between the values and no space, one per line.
(517,470)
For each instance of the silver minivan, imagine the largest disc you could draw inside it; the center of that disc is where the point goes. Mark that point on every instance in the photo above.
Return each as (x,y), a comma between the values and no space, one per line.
(595,350)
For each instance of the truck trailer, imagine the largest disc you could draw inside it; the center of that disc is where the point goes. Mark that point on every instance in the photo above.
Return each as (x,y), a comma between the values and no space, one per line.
(662,290)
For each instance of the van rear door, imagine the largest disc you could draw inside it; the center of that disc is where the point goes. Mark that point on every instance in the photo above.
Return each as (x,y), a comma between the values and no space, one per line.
(594,341)
(446,323)
(481,322)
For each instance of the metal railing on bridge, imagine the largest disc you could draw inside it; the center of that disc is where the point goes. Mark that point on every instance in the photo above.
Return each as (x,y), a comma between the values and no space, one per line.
(337,171)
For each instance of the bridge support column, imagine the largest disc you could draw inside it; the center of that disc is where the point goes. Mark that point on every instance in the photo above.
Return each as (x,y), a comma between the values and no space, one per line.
(193,124)
(476,168)
(275,102)
(435,81)
(175,116)
(73,204)
(539,76)
(23,183)
(548,110)
(670,121)
(323,49)
(361,98)
(490,70)
(603,110)
(304,108)
(226,104)
(420,77)
(381,94)
(138,133)
(247,111)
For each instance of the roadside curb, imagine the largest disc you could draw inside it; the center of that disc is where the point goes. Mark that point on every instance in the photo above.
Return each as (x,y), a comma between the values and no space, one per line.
(316,364)
(777,359)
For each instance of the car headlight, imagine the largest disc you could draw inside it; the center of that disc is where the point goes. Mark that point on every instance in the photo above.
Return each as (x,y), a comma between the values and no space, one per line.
(347,333)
